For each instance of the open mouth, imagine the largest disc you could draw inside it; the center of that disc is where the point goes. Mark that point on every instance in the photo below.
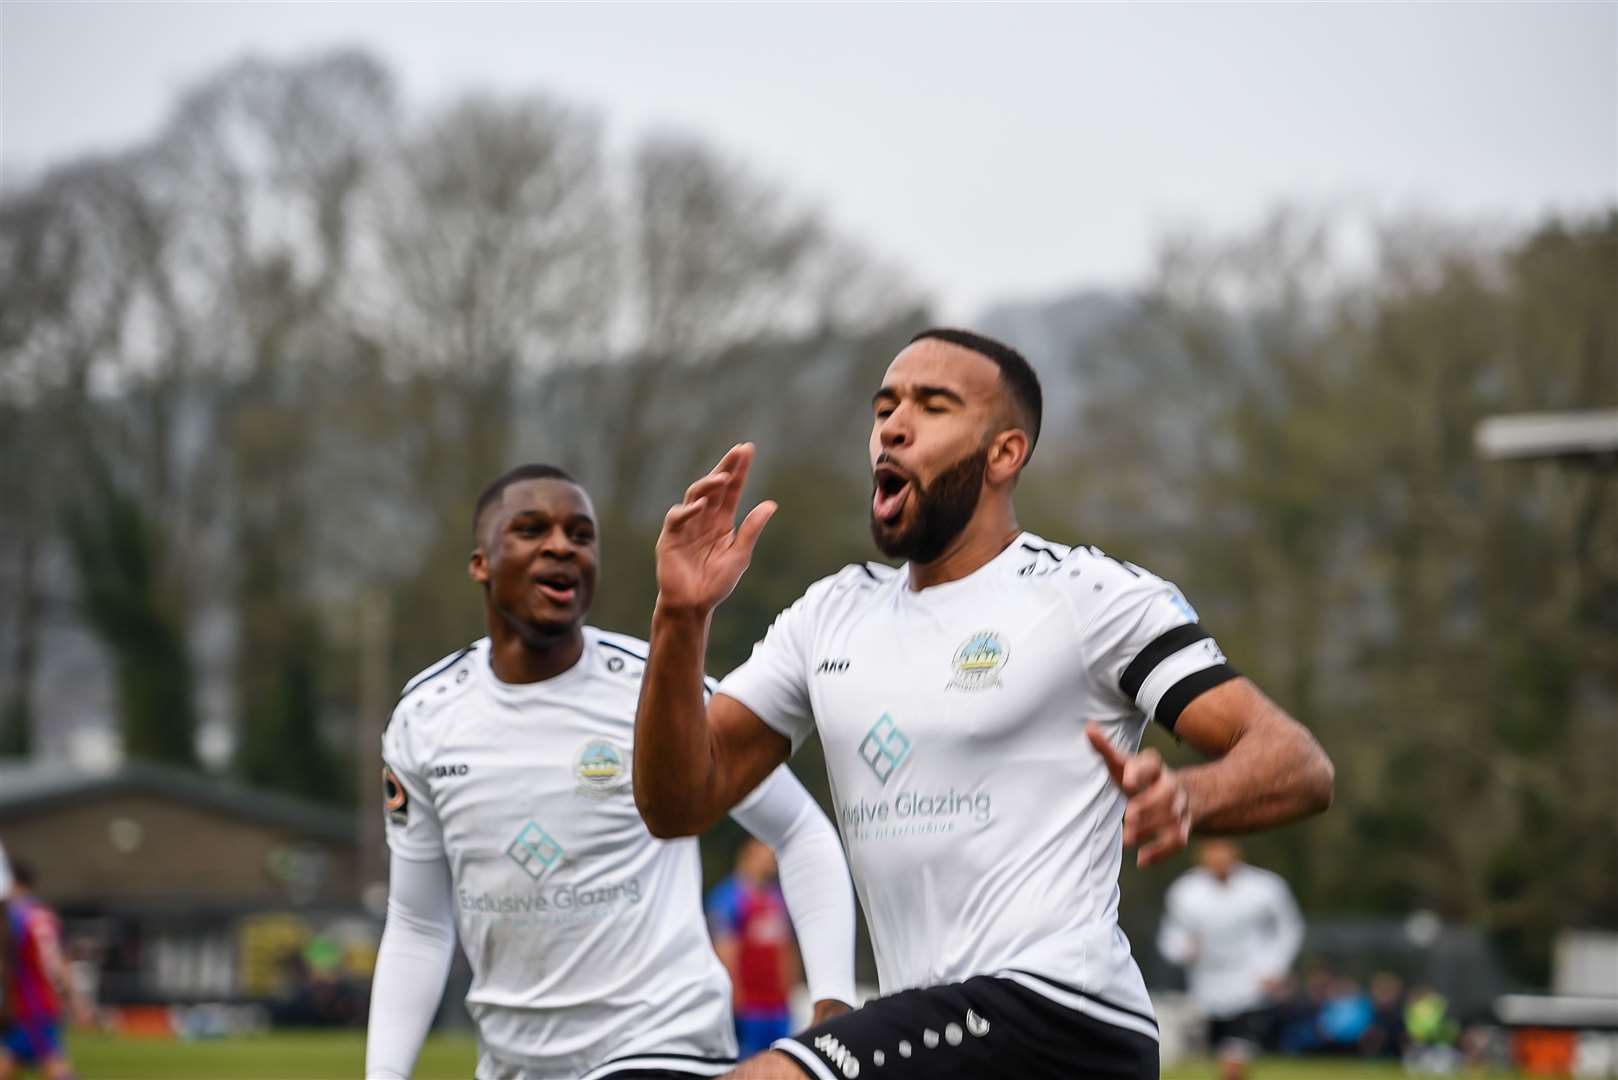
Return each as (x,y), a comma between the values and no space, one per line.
(558,588)
(891,492)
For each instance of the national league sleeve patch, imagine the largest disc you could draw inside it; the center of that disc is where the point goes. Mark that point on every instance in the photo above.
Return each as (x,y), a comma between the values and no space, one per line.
(395,800)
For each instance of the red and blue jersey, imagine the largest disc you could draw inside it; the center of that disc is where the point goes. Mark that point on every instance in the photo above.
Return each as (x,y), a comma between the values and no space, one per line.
(35,938)
(756,918)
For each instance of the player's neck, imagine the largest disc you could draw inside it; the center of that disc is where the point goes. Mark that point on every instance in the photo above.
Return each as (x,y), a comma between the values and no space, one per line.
(989,533)
(516,657)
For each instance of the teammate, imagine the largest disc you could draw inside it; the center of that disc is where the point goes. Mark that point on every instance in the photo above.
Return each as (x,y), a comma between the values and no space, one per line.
(510,818)
(1236,928)
(980,710)
(39,978)
(748,920)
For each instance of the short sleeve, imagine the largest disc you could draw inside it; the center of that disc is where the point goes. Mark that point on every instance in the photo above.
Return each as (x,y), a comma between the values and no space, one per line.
(412,827)
(1147,646)
(774,682)
(5,874)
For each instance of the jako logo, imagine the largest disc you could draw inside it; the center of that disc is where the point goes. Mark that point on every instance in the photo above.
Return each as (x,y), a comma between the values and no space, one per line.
(832,667)
(441,771)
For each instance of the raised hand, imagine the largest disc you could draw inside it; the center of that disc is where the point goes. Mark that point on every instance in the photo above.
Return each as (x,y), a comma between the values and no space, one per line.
(1158,814)
(701,553)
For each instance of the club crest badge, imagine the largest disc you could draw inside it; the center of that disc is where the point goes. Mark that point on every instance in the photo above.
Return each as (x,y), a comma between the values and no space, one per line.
(601,768)
(977,663)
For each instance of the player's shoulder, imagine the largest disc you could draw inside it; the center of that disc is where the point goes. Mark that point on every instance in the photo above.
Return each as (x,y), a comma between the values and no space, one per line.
(607,646)
(1039,565)
(1188,882)
(853,580)
(1092,578)
(440,682)
(1259,877)
(620,657)
(1191,887)
(1094,565)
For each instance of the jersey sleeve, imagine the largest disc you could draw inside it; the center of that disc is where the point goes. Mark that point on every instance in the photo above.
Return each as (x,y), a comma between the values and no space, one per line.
(813,877)
(774,682)
(412,826)
(412,961)
(1146,645)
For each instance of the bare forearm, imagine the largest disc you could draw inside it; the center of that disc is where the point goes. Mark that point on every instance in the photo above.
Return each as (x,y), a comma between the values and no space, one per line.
(1268,778)
(674,764)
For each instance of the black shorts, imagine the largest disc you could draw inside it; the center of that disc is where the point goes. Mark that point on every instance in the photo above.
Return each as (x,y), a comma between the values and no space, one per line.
(984,1028)
(1241,1036)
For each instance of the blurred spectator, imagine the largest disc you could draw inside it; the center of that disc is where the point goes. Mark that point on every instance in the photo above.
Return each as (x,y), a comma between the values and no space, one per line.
(1385,1037)
(747,917)
(1345,1018)
(38,978)
(1432,1033)
(1298,1013)
(1236,928)
(314,991)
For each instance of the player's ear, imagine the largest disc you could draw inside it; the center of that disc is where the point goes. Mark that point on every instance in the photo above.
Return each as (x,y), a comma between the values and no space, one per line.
(1007,453)
(477,566)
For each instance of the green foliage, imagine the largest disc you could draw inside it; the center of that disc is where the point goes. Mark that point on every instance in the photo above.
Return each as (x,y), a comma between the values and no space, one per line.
(16,727)
(1445,624)
(281,744)
(115,549)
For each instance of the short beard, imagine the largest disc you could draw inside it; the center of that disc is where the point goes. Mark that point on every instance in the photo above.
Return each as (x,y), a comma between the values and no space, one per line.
(943,509)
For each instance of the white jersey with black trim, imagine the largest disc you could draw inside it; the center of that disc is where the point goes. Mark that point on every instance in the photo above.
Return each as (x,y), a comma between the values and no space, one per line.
(983,831)
(586,937)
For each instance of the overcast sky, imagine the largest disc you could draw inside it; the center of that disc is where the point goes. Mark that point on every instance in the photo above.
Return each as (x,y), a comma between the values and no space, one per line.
(995,152)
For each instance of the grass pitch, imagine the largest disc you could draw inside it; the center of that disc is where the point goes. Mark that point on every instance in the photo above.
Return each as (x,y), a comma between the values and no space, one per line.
(341,1055)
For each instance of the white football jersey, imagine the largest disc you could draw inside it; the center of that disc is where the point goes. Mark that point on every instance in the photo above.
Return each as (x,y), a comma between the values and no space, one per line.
(983,831)
(1232,935)
(589,949)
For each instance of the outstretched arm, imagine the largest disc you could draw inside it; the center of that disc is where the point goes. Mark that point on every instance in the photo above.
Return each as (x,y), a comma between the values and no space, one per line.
(1267,770)
(695,760)
(814,882)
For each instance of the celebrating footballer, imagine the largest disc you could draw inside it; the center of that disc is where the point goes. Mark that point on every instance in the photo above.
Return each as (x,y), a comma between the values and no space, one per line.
(981,710)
